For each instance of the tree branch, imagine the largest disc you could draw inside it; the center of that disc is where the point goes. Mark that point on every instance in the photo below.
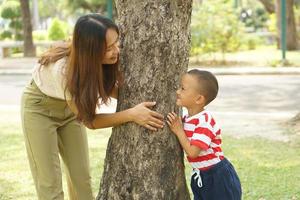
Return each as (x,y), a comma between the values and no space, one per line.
(269,5)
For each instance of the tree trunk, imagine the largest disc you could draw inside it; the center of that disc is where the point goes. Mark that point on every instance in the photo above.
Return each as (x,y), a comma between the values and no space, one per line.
(35,13)
(291,40)
(291,31)
(294,123)
(269,5)
(155,40)
(29,49)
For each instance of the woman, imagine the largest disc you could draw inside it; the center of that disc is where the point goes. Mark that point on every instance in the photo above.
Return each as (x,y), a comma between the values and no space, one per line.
(63,95)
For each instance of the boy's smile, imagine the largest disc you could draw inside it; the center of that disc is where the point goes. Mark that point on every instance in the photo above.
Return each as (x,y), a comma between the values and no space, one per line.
(188,94)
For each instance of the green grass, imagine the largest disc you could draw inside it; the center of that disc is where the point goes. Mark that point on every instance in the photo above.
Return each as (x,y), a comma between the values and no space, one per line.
(268,170)
(262,56)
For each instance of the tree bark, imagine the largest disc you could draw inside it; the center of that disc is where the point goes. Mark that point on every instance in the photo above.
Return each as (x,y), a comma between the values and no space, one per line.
(155,40)
(269,5)
(291,31)
(29,49)
(291,40)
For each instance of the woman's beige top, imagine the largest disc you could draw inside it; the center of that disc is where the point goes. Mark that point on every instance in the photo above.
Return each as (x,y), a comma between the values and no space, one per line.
(51,79)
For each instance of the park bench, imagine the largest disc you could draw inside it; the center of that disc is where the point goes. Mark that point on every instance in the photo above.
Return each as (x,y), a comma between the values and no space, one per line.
(6,46)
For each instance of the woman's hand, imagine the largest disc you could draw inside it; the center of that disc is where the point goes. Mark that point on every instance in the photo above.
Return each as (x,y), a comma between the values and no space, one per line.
(89,125)
(142,115)
(174,123)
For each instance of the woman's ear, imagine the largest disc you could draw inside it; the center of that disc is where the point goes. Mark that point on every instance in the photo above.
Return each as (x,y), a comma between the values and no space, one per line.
(200,100)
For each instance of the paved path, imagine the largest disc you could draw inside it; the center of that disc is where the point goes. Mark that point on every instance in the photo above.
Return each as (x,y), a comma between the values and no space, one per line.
(257,105)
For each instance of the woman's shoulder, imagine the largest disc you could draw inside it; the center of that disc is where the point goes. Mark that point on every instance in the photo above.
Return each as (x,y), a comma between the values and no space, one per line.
(61,62)
(56,54)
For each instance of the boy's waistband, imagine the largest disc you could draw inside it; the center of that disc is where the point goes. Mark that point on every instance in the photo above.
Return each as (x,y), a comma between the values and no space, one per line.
(224,162)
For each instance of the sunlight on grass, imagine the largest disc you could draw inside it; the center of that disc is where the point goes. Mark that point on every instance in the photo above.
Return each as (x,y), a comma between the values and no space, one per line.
(263,56)
(268,170)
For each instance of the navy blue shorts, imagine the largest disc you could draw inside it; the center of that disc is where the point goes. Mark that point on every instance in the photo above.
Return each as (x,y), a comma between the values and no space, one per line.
(220,182)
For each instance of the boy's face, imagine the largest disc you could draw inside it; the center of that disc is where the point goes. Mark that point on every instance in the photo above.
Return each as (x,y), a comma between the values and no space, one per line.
(188,94)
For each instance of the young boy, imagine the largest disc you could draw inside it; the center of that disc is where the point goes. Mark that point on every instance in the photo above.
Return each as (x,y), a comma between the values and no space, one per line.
(214,177)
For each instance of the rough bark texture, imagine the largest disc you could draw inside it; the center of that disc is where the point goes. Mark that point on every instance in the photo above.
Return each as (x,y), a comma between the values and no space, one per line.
(155,39)
(291,31)
(29,49)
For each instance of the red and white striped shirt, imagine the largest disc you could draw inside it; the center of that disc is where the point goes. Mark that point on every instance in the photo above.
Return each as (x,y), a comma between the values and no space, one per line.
(203,132)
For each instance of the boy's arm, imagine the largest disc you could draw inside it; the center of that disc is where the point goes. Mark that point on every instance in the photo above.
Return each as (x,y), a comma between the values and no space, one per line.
(175,124)
(191,150)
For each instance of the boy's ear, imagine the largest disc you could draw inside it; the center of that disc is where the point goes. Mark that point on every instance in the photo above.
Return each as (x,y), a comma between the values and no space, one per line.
(200,100)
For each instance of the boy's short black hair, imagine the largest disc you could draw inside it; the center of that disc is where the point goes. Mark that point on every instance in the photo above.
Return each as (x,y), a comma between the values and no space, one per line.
(208,84)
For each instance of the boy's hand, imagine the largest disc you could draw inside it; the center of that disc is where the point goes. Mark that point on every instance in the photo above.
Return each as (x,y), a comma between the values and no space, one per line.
(174,122)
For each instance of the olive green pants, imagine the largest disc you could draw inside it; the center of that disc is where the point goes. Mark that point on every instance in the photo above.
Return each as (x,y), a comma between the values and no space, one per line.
(50,129)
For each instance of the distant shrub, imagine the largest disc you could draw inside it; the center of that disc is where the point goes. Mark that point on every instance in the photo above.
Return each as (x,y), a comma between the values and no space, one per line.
(5,35)
(39,35)
(11,11)
(258,18)
(251,41)
(57,30)
(272,23)
(215,27)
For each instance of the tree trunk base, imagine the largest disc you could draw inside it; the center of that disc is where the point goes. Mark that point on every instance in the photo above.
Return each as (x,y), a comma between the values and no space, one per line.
(294,124)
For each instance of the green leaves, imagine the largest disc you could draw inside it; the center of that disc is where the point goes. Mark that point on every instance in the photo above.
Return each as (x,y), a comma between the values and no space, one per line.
(10,10)
(215,28)
(56,30)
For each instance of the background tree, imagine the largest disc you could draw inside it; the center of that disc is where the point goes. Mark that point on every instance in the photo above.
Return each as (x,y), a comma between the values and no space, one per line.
(294,123)
(269,5)
(29,49)
(291,33)
(155,39)
(56,31)
(88,5)
(11,11)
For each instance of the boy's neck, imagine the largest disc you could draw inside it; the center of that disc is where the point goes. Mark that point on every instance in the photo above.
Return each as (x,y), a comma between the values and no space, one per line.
(195,110)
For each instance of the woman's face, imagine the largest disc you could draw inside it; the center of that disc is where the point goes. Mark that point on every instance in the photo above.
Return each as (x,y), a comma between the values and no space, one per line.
(112,47)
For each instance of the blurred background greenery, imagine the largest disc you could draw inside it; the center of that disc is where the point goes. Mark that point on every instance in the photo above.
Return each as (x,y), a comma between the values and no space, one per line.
(219,28)
(241,33)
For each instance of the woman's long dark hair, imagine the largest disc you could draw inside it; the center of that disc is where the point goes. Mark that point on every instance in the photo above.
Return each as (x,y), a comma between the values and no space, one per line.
(87,79)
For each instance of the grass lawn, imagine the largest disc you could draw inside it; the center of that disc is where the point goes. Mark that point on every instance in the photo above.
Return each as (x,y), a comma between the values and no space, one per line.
(268,170)
(260,57)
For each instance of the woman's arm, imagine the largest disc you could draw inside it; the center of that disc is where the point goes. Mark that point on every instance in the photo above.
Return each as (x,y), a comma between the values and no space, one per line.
(140,114)
(115,91)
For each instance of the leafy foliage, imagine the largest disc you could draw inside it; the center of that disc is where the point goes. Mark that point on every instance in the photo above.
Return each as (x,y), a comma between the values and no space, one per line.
(11,11)
(57,30)
(256,18)
(215,28)
(89,5)
(6,34)
(39,35)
